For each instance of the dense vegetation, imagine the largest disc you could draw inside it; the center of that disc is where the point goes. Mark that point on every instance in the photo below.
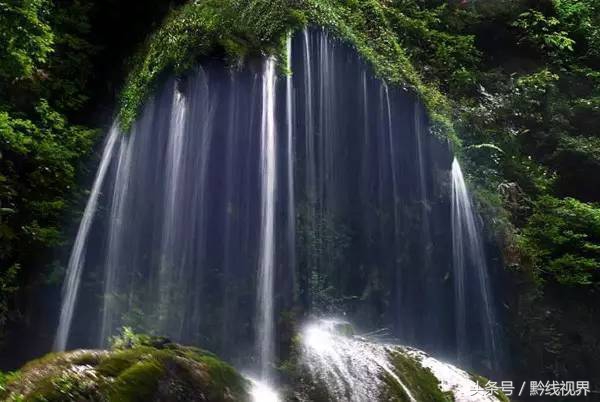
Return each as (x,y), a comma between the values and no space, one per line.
(61,65)
(514,83)
(44,63)
(523,78)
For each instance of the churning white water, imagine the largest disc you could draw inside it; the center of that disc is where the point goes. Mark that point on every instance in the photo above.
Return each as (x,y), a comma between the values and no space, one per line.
(469,261)
(268,173)
(452,379)
(352,367)
(76,261)
(262,392)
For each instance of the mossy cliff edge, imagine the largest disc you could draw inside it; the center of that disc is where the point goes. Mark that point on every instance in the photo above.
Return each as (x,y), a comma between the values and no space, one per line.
(243,29)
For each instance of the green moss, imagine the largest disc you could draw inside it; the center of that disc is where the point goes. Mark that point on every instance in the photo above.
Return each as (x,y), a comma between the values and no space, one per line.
(237,29)
(141,373)
(420,381)
(116,363)
(88,358)
(222,376)
(137,383)
(5,380)
(259,27)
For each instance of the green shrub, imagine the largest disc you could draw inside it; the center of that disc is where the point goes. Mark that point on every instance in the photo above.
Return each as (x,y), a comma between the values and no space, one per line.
(562,240)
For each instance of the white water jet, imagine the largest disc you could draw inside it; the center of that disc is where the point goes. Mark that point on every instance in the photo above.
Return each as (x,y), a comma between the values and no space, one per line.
(115,236)
(262,392)
(468,253)
(351,368)
(393,162)
(174,166)
(268,171)
(291,208)
(76,261)
(310,164)
(232,198)
(202,119)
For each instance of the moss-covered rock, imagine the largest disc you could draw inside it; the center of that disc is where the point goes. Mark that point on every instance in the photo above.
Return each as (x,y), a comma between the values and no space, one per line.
(239,29)
(421,382)
(162,372)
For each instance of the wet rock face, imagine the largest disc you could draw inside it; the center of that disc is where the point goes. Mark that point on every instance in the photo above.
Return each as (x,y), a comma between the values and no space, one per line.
(330,363)
(162,372)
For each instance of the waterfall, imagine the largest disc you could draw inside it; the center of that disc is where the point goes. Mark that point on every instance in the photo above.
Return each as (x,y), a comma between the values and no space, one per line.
(215,227)
(268,171)
(76,261)
(469,262)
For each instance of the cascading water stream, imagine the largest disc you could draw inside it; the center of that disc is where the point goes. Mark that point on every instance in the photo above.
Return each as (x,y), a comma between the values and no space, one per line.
(265,319)
(218,229)
(469,261)
(174,181)
(352,369)
(114,234)
(76,261)
(291,204)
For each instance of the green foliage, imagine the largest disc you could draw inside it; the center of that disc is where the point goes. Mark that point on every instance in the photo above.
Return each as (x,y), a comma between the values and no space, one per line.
(8,287)
(38,164)
(563,239)
(531,91)
(70,67)
(536,101)
(584,149)
(128,339)
(44,65)
(26,39)
(5,380)
(582,20)
(440,55)
(544,32)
